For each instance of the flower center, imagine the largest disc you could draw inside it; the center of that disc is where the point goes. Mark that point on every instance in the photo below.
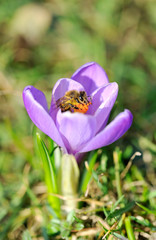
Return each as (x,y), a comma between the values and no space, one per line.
(74,101)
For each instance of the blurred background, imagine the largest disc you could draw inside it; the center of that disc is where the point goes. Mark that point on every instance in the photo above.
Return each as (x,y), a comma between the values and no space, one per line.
(42,41)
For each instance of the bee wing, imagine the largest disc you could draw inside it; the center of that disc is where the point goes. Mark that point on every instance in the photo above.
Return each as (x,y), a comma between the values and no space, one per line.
(60,101)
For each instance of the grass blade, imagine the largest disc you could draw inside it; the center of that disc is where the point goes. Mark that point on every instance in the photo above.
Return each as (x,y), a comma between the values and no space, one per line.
(87,174)
(120,211)
(146,209)
(129,229)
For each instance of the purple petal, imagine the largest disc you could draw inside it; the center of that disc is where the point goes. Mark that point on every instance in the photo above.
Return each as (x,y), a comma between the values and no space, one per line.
(111,132)
(61,87)
(91,76)
(36,106)
(77,129)
(102,102)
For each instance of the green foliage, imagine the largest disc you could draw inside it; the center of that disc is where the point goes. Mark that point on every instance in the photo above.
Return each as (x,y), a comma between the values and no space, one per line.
(72,223)
(146,209)
(87,173)
(50,175)
(130,232)
(119,212)
(26,235)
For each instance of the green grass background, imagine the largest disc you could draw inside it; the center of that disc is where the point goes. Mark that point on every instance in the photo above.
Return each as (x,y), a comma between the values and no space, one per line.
(117,34)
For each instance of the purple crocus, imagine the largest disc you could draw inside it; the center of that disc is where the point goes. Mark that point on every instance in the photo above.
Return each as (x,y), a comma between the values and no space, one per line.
(77,132)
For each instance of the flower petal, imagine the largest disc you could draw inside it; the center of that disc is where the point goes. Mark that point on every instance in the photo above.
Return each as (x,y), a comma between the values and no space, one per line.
(36,106)
(111,132)
(61,87)
(102,102)
(77,129)
(91,76)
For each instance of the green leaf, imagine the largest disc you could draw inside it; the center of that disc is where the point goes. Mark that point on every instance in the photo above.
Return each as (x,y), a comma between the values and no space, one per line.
(117,157)
(117,203)
(152,194)
(119,236)
(50,176)
(71,217)
(144,222)
(65,233)
(66,225)
(87,174)
(105,212)
(146,209)
(78,220)
(129,229)
(120,211)
(54,226)
(78,226)
(26,235)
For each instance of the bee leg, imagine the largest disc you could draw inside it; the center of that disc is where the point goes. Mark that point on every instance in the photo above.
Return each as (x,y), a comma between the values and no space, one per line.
(72,107)
(66,108)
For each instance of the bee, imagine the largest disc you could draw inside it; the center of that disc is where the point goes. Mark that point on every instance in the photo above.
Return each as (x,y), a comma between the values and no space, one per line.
(74,101)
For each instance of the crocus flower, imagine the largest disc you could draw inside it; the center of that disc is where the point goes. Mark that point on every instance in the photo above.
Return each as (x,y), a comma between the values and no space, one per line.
(76,132)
